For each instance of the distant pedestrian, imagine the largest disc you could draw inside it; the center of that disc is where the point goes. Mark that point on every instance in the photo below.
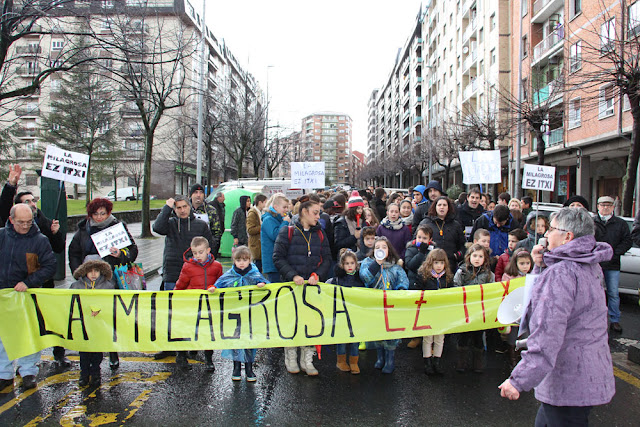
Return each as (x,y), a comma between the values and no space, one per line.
(254,225)
(380,203)
(218,204)
(239,222)
(8,191)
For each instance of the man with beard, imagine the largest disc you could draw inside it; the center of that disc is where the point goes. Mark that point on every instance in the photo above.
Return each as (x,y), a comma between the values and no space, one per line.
(208,213)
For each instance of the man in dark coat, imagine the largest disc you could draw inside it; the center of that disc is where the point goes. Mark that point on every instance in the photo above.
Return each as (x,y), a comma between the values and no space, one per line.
(614,231)
(218,204)
(379,203)
(28,262)
(470,211)
(432,191)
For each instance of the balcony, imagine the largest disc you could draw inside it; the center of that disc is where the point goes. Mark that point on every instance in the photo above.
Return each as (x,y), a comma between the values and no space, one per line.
(471,29)
(418,81)
(552,138)
(543,9)
(25,71)
(548,44)
(466,6)
(28,50)
(27,112)
(470,60)
(543,94)
(471,88)
(419,99)
(405,131)
(25,133)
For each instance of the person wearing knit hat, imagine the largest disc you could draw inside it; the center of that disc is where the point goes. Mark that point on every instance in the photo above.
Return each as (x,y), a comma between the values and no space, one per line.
(195,187)
(432,191)
(347,228)
(206,212)
(576,202)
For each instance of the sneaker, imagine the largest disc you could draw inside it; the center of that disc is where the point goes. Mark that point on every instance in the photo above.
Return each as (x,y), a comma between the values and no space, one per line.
(237,371)
(29,382)
(616,327)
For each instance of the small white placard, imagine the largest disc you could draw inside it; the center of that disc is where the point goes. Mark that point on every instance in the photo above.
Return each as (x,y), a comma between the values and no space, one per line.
(307,175)
(65,165)
(537,177)
(115,235)
(481,167)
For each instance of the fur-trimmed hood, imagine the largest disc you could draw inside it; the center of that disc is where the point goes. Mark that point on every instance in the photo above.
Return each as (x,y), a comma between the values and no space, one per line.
(103,267)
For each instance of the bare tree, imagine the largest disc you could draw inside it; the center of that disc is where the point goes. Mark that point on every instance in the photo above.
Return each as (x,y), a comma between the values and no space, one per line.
(448,140)
(153,54)
(606,67)
(279,150)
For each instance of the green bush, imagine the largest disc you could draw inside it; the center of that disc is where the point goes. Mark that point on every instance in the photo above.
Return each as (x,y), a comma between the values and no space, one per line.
(454,191)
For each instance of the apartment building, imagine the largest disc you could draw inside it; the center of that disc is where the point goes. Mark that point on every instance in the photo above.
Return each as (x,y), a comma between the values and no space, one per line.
(357,165)
(454,61)
(326,137)
(588,126)
(225,79)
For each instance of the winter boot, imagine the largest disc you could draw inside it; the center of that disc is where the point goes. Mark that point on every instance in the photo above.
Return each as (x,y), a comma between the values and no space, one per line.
(380,362)
(163,354)
(415,342)
(114,361)
(208,361)
(437,367)
(237,371)
(478,362)
(84,379)
(248,370)
(353,364)
(307,357)
(181,360)
(291,359)
(428,366)
(389,361)
(342,363)
(462,357)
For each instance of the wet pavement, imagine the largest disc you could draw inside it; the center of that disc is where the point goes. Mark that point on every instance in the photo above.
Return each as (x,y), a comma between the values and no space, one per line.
(146,392)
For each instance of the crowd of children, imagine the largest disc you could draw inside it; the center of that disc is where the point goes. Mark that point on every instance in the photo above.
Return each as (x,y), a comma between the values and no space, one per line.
(391,253)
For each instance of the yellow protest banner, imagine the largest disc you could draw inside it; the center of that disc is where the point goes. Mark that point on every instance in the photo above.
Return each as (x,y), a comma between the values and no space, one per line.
(278,315)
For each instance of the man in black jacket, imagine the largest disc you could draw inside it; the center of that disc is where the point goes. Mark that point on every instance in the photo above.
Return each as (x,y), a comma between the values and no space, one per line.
(470,211)
(218,204)
(28,262)
(380,203)
(432,191)
(614,231)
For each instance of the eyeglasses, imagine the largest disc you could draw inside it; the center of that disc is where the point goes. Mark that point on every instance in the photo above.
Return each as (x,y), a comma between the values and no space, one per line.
(23,223)
(559,229)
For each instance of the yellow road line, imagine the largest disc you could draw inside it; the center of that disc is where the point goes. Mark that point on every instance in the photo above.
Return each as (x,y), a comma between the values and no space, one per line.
(626,377)
(55,379)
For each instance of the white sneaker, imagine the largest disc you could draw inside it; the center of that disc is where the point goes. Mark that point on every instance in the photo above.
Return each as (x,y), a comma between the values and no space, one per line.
(306,360)
(291,359)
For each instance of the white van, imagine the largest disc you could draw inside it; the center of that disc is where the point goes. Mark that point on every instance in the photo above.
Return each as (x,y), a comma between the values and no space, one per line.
(126,193)
(268,187)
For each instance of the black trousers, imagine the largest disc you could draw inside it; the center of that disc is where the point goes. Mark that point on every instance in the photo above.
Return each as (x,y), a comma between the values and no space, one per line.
(561,416)
(90,363)
(471,339)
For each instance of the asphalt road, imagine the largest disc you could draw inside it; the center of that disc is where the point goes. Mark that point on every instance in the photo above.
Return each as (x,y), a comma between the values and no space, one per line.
(145,392)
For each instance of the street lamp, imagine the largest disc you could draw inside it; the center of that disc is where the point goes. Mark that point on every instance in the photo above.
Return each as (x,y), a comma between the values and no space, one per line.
(266,126)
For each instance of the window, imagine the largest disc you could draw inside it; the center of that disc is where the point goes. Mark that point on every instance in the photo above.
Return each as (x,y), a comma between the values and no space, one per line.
(493,56)
(481,67)
(57,44)
(607,35)
(634,18)
(107,4)
(524,6)
(481,35)
(492,22)
(574,113)
(575,8)
(105,181)
(525,47)
(626,105)
(131,182)
(575,56)
(606,102)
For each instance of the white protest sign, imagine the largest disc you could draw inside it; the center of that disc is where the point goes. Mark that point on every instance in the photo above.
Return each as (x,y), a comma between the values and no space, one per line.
(115,235)
(65,165)
(307,174)
(291,193)
(539,177)
(480,167)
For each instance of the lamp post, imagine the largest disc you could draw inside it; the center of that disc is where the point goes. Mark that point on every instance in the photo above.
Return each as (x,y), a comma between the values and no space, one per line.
(266,126)
(201,99)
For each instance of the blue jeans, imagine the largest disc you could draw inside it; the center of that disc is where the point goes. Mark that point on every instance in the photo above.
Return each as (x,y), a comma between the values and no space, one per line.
(26,365)
(169,286)
(353,348)
(612,279)
(273,277)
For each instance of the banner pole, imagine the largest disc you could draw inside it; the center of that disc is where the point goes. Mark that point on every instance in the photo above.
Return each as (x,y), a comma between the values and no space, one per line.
(60,186)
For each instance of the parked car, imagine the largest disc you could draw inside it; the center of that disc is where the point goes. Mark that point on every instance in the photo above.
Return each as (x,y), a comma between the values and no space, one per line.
(126,193)
(629,262)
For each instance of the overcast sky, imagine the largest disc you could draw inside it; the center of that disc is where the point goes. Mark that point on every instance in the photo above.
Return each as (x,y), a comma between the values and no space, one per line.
(326,55)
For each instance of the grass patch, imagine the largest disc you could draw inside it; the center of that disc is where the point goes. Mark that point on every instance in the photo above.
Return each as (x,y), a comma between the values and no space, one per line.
(77,207)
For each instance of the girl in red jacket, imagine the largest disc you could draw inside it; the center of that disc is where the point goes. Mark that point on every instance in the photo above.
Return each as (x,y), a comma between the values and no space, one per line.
(199,272)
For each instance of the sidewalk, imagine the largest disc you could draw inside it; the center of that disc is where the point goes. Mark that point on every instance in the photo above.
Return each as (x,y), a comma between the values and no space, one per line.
(149,254)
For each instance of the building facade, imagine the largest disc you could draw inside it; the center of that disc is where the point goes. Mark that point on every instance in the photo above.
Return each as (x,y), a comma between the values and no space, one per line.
(326,137)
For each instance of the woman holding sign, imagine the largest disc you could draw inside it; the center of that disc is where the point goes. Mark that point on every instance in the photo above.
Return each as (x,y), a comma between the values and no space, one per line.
(82,247)
(302,254)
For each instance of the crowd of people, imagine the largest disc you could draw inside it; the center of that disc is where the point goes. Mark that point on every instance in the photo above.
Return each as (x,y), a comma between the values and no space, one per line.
(416,240)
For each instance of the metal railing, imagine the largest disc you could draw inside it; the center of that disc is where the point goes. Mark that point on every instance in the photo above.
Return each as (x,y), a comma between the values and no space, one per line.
(545,45)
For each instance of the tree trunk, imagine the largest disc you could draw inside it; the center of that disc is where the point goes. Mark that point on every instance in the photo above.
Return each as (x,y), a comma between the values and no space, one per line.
(634,155)
(115,184)
(209,172)
(540,147)
(146,186)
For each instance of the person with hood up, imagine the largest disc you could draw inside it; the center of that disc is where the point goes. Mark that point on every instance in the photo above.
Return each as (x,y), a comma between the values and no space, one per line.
(430,193)
(239,222)
(568,360)
(533,234)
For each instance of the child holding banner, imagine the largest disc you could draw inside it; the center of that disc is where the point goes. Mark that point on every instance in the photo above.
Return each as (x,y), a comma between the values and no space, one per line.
(434,274)
(95,274)
(243,273)
(381,271)
(347,275)
(198,272)
(474,271)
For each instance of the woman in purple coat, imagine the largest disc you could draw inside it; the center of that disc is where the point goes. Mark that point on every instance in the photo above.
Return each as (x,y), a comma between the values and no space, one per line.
(568,360)
(393,228)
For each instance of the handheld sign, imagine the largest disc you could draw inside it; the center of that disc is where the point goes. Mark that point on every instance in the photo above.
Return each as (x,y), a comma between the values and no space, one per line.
(65,165)
(307,174)
(480,167)
(115,235)
(539,177)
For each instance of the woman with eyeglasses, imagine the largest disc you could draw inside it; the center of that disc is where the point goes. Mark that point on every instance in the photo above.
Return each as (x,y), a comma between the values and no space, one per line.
(82,248)
(567,361)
